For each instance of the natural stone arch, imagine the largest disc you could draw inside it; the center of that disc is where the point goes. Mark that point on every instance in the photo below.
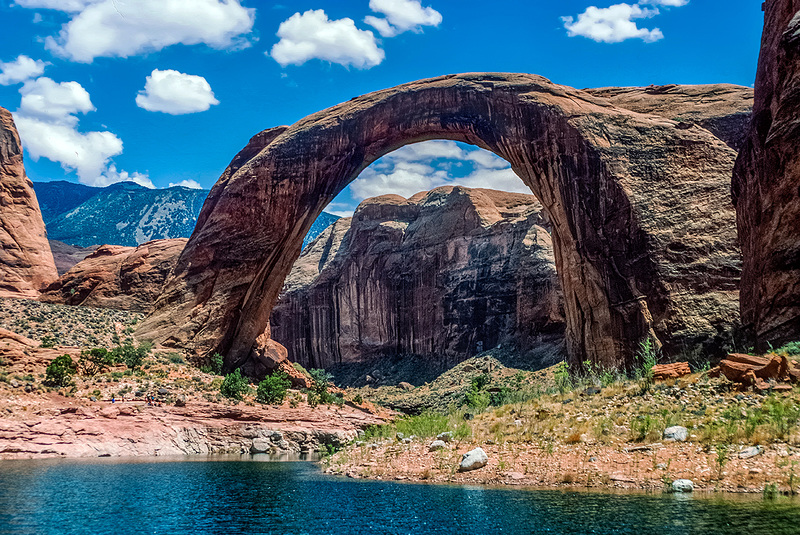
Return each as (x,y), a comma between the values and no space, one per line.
(636,202)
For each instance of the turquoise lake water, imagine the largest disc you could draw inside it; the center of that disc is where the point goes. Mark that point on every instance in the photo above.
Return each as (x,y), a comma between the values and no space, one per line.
(232,497)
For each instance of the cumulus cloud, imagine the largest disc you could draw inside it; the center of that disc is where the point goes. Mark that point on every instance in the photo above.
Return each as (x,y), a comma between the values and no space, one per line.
(313,36)
(21,69)
(401,16)
(188,183)
(175,93)
(615,23)
(68,6)
(612,24)
(48,125)
(110,28)
(428,165)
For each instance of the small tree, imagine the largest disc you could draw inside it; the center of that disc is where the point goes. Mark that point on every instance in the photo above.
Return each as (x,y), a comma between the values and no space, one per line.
(272,390)
(215,363)
(234,386)
(130,355)
(95,361)
(60,371)
(320,379)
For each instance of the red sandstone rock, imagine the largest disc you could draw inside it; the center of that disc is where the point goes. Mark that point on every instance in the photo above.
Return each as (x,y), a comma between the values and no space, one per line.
(766,185)
(723,109)
(445,274)
(671,371)
(640,209)
(26,263)
(125,278)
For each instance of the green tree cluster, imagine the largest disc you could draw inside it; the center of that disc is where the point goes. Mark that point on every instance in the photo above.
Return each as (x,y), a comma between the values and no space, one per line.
(272,390)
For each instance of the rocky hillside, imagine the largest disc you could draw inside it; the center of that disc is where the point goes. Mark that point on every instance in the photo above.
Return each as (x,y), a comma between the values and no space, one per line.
(445,275)
(126,213)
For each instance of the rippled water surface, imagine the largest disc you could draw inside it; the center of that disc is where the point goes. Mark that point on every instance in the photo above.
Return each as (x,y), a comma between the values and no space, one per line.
(231,497)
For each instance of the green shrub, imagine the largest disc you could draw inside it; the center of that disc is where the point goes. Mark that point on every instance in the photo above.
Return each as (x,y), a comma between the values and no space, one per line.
(60,371)
(175,358)
(234,386)
(48,341)
(562,378)
(319,388)
(95,361)
(214,364)
(272,390)
(130,355)
(792,349)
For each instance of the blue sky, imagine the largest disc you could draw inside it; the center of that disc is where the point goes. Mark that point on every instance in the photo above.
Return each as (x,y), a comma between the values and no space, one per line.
(168,91)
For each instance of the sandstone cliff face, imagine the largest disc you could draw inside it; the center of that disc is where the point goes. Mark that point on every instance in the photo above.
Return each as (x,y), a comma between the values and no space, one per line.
(722,109)
(766,185)
(26,263)
(445,274)
(640,208)
(114,276)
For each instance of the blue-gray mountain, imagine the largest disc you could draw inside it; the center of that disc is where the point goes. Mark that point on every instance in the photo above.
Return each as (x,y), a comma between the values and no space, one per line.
(125,213)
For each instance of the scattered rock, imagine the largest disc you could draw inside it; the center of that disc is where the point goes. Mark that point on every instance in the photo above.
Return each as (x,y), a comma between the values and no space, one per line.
(750,452)
(682,485)
(437,445)
(406,386)
(447,436)
(472,460)
(180,401)
(676,433)
(592,391)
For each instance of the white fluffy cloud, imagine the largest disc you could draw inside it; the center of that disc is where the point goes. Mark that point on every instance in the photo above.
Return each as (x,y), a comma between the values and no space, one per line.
(188,183)
(68,6)
(21,69)
(615,23)
(113,28)
(312,35)
(428,165)
(175,93)
(401,16)
(47,122)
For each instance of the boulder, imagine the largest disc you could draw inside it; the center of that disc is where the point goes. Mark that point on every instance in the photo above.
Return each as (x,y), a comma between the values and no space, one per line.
(472,460)
(26,263)
(657,249)
(676,433)
(750,452)
(671,371)
(766,186)
(682,485)
(443,275)
(113,276)
(447,436)
(437,445)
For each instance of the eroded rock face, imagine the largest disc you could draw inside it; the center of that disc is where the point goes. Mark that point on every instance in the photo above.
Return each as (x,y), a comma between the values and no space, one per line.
(642,222)
(114,276)
(766,185)
(445,275)
(26,263)
(722,109)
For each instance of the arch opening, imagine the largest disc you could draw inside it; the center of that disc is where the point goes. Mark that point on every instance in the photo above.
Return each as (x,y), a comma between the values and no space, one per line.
(618,187)
(431,269)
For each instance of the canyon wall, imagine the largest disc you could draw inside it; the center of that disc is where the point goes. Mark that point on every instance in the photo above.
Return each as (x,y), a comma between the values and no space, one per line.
(445,274)
(766,185)
(26,263)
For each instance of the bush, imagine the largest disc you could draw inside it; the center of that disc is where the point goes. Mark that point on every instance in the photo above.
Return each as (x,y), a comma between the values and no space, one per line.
(792,349)
(130,355)
(60,371)
(272,390)
(214,365)
(48,341)
(234,386)
(95,361)
(319,389)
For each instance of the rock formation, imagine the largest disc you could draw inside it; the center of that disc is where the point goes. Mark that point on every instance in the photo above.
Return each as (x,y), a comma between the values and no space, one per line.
(445,275)
(66,256)
(642,222)
(766,185)
(124,278)
(26,263)
(722,109)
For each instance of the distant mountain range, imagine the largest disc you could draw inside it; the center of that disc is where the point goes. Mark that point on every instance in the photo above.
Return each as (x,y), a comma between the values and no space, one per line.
(126,213)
